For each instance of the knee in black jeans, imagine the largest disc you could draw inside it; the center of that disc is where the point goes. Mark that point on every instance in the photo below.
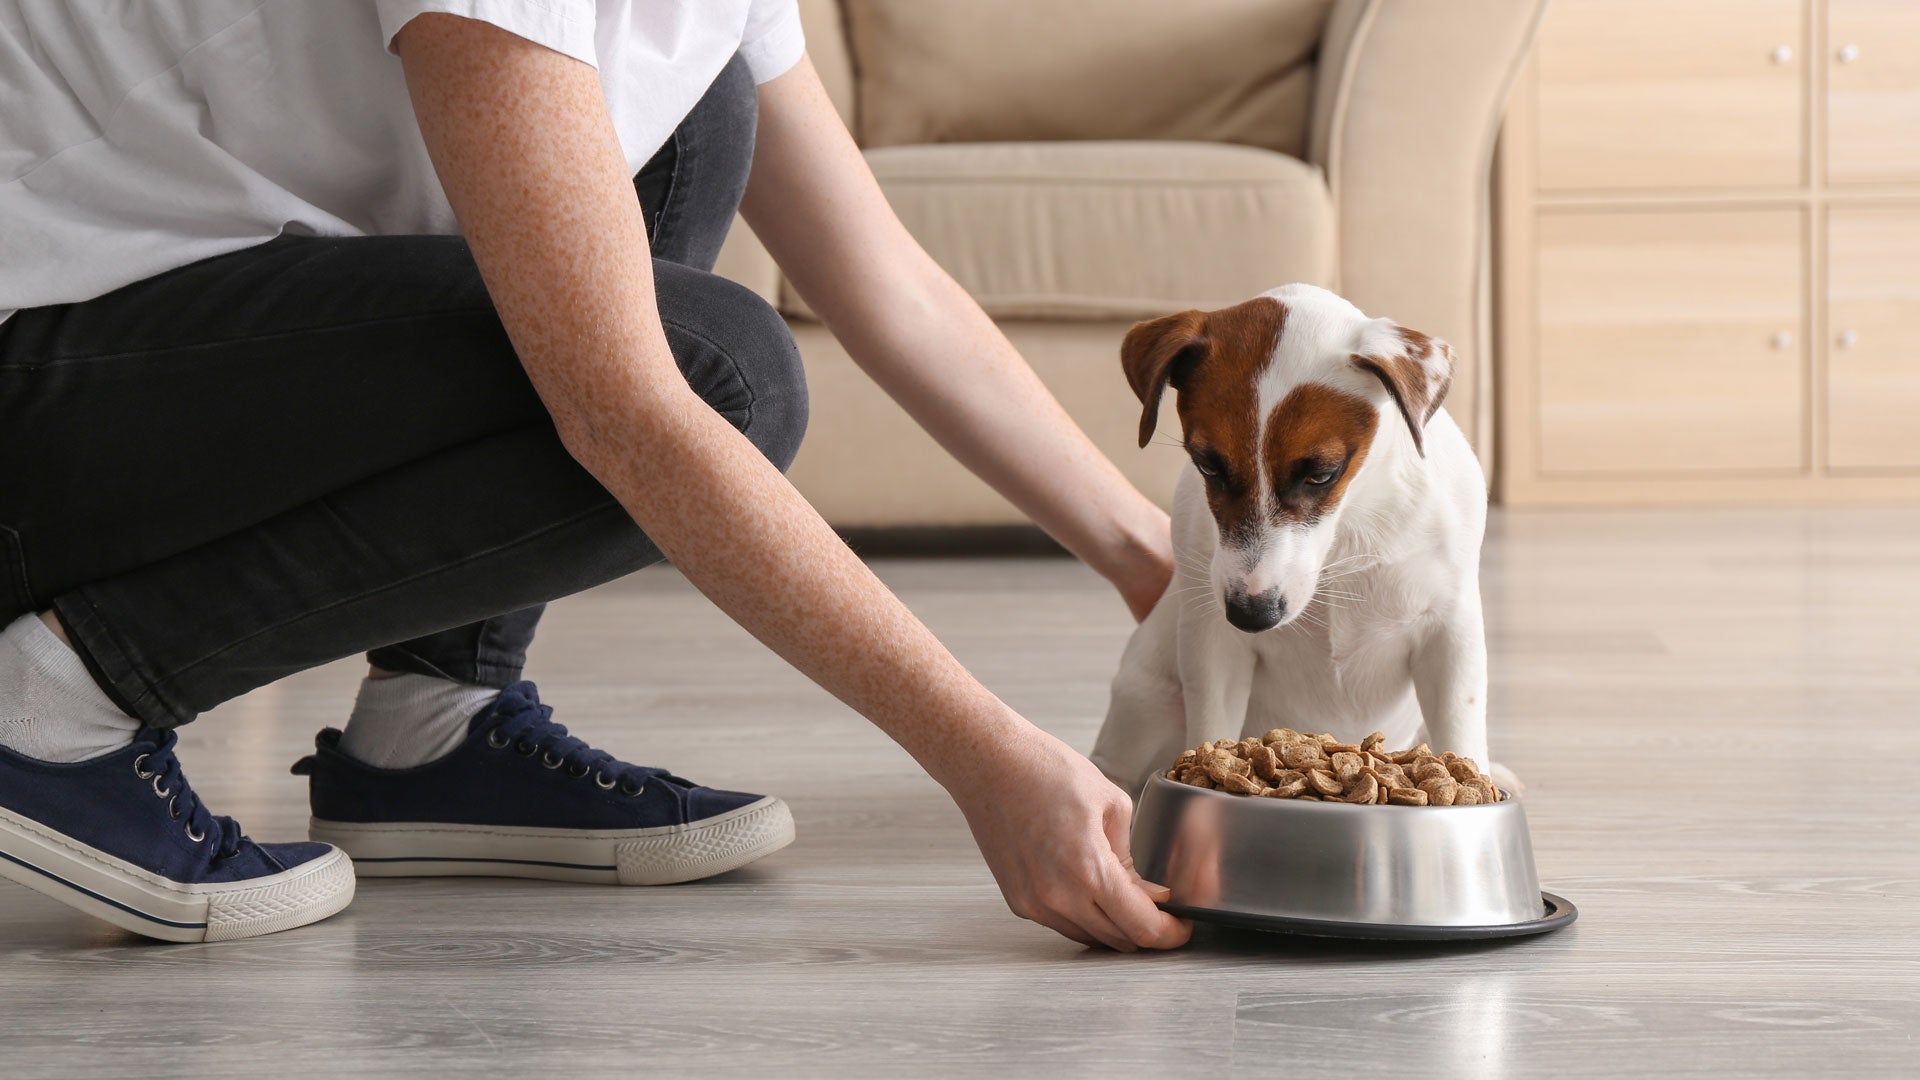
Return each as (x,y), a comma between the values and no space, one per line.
(737,353)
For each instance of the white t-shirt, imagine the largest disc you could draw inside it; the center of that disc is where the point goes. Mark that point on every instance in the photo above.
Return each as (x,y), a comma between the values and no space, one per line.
(139,137)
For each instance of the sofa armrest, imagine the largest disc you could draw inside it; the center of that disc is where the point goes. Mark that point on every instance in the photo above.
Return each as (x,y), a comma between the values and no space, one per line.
(1408,101)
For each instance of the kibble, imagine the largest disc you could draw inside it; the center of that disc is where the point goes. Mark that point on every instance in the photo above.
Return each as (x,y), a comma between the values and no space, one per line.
(1288,764)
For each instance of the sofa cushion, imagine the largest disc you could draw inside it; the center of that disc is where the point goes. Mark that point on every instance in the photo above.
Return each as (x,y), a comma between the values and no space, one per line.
(1108,230)
(1234,71)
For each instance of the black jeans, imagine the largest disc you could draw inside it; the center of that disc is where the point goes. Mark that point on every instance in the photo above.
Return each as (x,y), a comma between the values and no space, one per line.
(275,458)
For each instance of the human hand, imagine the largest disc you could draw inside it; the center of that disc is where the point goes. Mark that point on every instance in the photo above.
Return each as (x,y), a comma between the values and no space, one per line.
(1060,855)
(1146,582)
(1138,561)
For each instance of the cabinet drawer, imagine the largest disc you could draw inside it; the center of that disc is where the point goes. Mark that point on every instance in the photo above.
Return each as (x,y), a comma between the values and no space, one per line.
(1873,91)
(1671,342)
(1651,94)
(1873,359)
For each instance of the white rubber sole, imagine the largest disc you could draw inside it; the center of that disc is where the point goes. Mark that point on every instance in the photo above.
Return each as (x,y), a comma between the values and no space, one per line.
(659,856)
(138,900)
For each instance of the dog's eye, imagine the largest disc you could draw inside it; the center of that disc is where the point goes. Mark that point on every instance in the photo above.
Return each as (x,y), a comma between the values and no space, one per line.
(1319,478)
(1208,469)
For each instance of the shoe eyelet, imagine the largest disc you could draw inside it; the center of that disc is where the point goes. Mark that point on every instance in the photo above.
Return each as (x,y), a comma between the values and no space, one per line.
(196,837)
(497,740)
(140,772)
(631,792)
(160,791)
(604,782)
(550,761)
(525,749)
(579,772)
(173,808)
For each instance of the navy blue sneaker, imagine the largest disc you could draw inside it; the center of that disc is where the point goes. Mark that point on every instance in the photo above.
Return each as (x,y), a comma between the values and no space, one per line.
(522,798)
(123,837)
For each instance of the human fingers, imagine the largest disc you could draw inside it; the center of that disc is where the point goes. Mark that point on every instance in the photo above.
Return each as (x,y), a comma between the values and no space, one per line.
(1124,900)
(1066,929)
(1133,898)
(1159,894)
(1094,921)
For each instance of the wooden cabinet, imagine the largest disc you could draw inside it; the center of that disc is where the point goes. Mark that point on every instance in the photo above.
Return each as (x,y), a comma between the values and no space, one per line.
(1671,343)
(1707,272)
(1873,91)
(1873,366)
(1657,94)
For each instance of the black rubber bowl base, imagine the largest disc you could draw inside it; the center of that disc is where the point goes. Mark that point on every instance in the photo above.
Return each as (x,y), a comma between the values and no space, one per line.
(1560,912)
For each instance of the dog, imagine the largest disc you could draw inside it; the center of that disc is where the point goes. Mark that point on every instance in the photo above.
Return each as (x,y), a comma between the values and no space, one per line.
(1326,537)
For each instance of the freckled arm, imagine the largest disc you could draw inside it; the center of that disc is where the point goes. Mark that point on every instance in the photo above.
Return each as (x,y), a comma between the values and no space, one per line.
(527,154)
(524,147)
(816,205)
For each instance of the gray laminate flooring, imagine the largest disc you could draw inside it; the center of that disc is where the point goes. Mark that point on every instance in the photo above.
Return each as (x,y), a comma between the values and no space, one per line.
(1718,715)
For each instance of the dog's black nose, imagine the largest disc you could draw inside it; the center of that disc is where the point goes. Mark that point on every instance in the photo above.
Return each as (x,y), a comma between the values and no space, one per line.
(1256,613)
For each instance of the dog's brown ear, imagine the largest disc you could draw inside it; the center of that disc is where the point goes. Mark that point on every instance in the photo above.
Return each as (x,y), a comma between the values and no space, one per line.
(1161,351)
(1416,369)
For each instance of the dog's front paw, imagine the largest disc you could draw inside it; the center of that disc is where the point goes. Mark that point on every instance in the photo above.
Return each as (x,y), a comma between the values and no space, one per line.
(1503,778)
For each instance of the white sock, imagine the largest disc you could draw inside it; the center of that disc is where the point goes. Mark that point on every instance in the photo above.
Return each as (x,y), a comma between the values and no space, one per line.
(50,707)
(406,720)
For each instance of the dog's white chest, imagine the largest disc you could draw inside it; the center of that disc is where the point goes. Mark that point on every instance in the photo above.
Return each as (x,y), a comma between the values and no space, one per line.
(1343,668)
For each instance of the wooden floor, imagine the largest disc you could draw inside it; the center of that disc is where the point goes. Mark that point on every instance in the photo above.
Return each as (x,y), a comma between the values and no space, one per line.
(1718,715)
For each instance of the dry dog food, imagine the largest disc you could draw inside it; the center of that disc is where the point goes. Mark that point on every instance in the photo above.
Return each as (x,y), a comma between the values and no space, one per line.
(1287,764)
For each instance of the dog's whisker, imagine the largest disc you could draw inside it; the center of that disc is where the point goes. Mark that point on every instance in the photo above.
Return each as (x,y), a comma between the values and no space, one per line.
(1346,567)
(1331,603)
(1352,557)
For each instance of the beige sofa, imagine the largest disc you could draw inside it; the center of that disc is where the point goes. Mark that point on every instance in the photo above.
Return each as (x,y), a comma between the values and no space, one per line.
(1079,165)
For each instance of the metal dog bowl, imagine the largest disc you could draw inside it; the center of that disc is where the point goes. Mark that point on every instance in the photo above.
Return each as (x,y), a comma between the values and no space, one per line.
(1338,870)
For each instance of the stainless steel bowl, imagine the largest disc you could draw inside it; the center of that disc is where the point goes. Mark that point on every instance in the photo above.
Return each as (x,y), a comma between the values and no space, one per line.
(1343,870)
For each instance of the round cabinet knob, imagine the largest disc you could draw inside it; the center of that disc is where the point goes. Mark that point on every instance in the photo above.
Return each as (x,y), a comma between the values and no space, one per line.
(1781,339)
(1783,54)
(1849,53)
(1848,339)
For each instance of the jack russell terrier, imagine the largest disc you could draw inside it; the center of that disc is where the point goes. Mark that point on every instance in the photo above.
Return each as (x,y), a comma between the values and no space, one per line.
(1326,535)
